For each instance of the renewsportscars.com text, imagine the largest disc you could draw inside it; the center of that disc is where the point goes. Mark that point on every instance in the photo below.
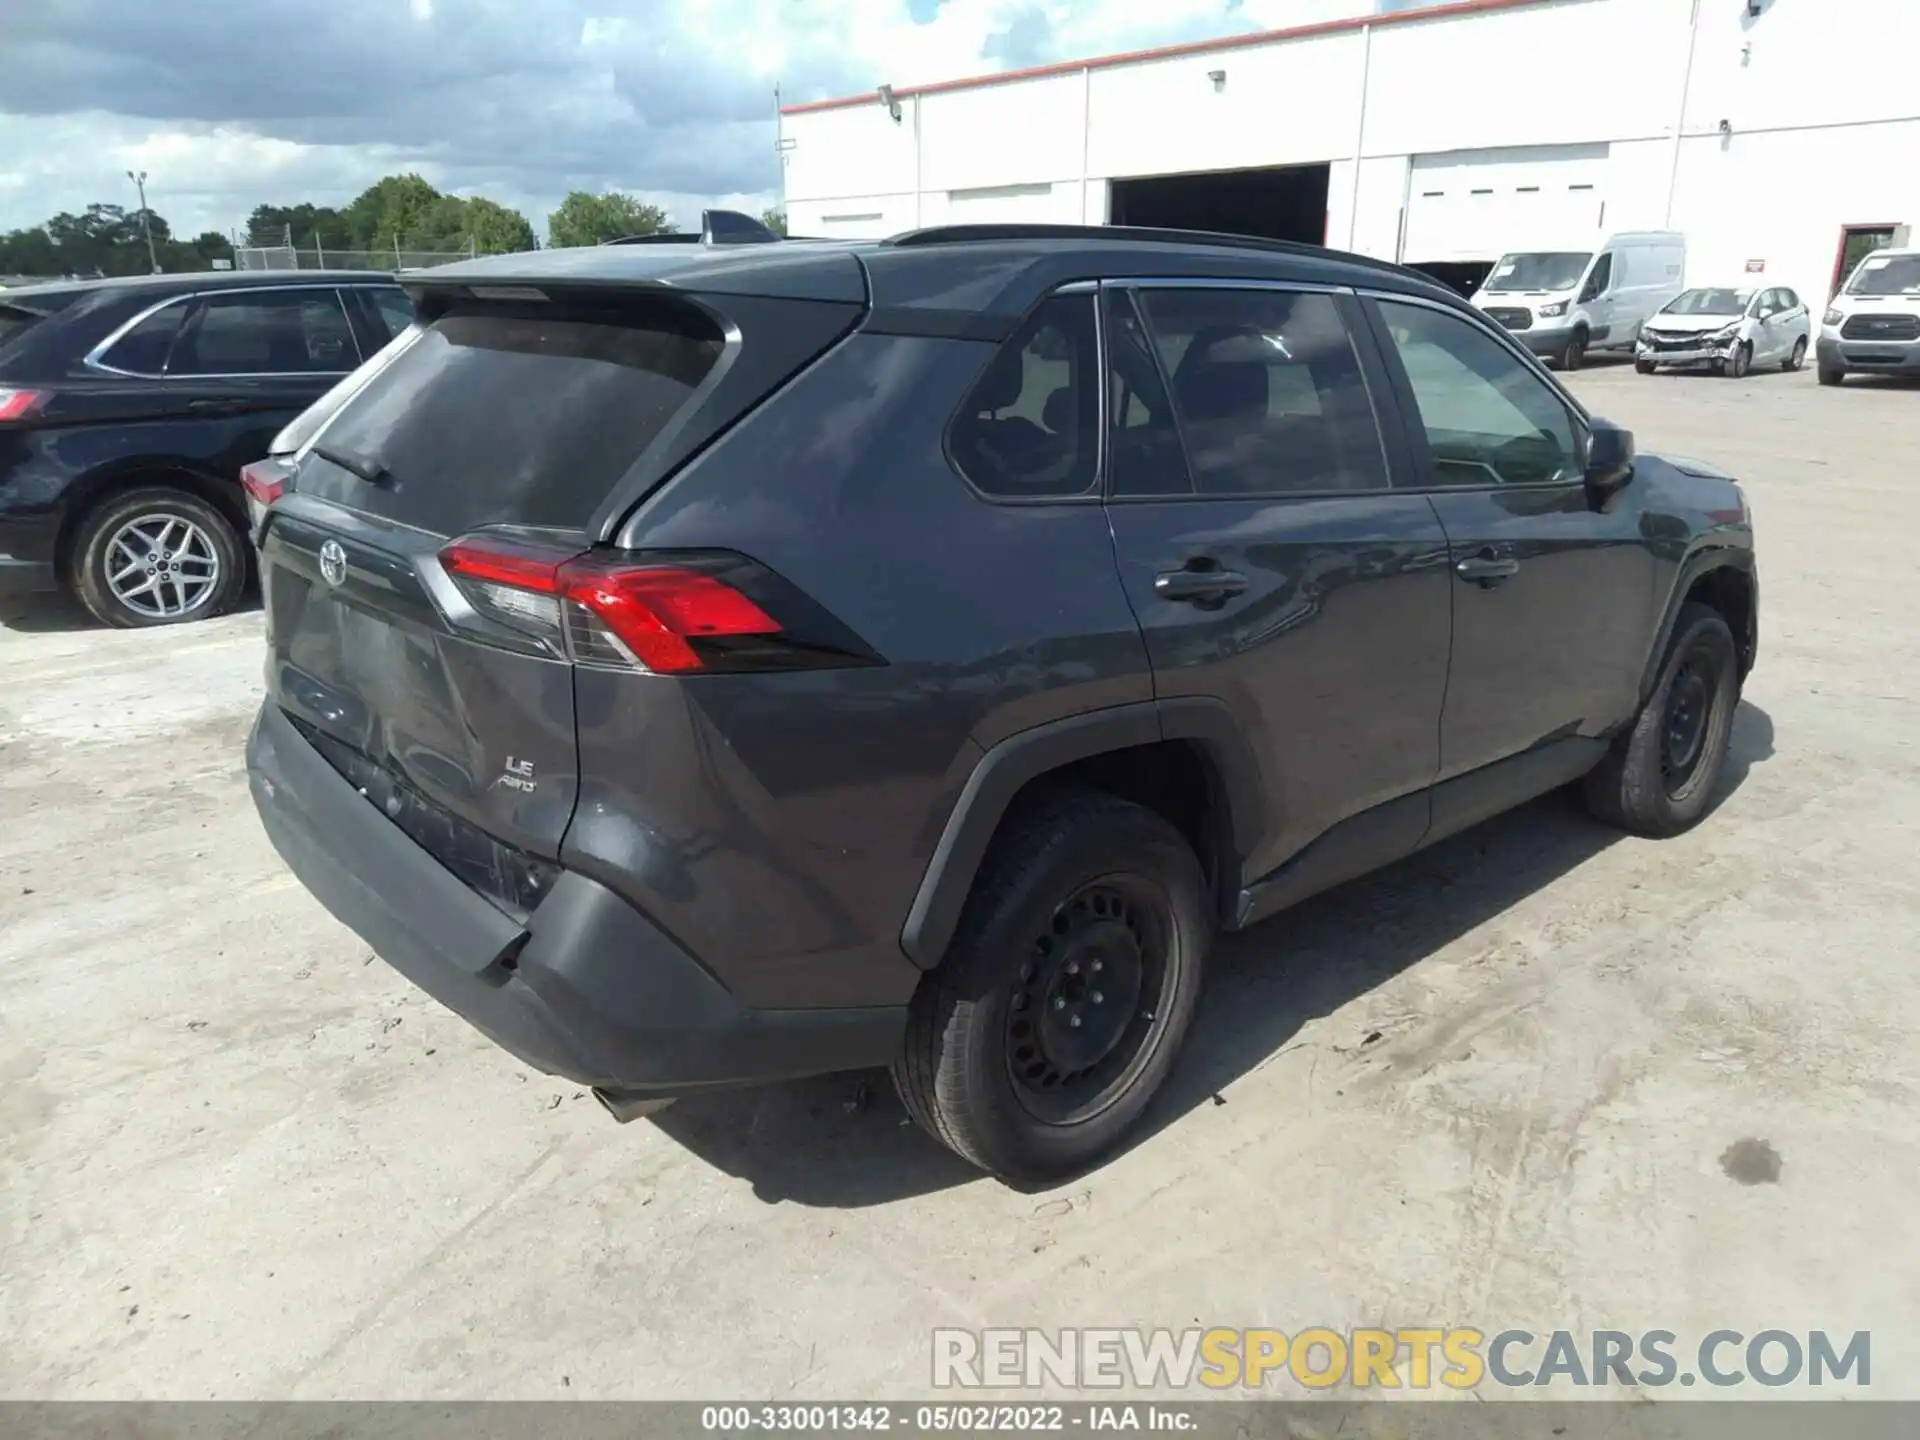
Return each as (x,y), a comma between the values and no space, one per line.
(1409,1358)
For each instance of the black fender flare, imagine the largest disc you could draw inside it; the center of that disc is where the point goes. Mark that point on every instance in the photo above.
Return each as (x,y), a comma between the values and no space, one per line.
(1021,758)
(1700,562)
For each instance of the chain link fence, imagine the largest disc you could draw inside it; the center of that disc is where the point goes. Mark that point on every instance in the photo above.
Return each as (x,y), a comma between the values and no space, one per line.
(286,256)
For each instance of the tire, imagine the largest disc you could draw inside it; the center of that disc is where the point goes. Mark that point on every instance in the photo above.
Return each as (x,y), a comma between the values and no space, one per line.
(1642,785)
(1074,882)
(1644,367)
(209,569)
(1575,354)
(1798,358)
(1832,377)
(1740,362)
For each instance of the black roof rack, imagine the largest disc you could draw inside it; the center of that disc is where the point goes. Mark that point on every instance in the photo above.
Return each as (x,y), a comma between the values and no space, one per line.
(960,234)
(717,227)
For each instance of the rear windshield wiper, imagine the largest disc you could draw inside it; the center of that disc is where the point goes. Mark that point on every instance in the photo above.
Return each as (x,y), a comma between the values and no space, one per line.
(371,471)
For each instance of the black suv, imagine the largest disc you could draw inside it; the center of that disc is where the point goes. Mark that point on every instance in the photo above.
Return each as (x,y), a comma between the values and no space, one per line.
(699,665)
(129,407)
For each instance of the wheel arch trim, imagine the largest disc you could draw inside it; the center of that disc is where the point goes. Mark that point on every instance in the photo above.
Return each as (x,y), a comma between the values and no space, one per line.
(1015,762)
(99,485)
(1697,565)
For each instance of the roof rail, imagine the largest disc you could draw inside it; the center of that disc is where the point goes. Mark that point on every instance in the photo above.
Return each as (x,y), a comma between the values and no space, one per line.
(717,227)
(960,234)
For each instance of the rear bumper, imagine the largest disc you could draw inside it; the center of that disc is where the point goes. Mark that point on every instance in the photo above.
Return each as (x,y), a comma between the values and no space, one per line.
(588,988)
(1869,357)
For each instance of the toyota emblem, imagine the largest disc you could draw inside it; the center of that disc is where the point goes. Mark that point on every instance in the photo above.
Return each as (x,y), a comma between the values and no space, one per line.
(333,562)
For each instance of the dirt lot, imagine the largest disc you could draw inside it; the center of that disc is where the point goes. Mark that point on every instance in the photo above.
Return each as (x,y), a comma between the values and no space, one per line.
(1493,1086)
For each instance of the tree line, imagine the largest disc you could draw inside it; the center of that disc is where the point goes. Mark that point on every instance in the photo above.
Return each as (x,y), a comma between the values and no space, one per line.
(396,215)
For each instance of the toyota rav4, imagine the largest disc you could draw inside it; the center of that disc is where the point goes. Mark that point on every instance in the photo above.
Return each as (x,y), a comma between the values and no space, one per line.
(704,664)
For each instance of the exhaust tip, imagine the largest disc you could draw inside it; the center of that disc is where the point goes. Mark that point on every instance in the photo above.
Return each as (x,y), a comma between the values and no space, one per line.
(625,1105)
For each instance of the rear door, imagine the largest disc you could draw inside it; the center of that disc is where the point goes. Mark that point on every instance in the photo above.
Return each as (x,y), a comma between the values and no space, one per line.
(261,357)
(1552,597)
(238,364)
(1267,556)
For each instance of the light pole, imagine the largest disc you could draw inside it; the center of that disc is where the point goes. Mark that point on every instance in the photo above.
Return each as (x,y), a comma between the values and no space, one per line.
(139,179)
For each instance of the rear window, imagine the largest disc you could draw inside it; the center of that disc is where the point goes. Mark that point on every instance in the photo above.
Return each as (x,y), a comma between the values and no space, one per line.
(525,416)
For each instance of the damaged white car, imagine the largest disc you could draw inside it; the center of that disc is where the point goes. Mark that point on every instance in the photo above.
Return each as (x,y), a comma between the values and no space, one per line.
(1728,331)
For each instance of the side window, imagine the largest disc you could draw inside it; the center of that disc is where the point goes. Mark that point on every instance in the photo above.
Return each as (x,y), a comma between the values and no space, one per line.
(266,332)
(1144,453)
(1789,299)
(1488,418)
(143,350)
(1268,391)
(1600,279)
(1029,428)
(393,307)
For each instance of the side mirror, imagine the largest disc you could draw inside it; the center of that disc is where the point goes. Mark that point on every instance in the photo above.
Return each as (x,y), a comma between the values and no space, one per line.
(1609,459)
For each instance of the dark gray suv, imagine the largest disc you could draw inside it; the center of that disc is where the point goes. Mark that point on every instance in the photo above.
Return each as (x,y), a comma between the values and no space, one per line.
(701,664)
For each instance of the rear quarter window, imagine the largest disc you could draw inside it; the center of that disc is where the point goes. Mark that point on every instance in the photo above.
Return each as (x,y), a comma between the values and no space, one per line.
(525,415)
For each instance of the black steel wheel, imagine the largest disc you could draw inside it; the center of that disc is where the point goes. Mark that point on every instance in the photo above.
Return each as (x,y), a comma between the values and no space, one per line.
(1659,775)
(1088,998)
(1060,1006)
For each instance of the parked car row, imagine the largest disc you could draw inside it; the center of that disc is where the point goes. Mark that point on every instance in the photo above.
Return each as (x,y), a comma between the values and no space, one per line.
(1630,296)
(128,408)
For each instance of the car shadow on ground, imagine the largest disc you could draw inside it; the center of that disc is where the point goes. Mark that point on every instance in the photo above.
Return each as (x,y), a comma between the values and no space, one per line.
(45,615)
(60,615)
(845,1141)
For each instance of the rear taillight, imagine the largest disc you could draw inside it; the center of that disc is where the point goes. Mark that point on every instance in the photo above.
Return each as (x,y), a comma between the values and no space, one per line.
(264,482)
(668,614)
(19,404)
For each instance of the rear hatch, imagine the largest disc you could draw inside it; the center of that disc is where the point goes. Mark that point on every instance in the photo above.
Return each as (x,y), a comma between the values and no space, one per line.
(417,574)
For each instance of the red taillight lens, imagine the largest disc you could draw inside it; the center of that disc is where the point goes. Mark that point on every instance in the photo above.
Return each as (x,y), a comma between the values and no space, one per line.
(19,404)
(668,614)
(264,481)
(654,613)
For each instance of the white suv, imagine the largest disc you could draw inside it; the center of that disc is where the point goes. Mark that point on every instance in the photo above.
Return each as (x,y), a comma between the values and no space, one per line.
(1873,324)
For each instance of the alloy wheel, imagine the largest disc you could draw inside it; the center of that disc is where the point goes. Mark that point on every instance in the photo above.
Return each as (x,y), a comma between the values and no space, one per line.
(162,566)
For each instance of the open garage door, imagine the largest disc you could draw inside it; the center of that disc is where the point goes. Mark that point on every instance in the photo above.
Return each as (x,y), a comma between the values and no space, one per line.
(1473,206)
(1280,203)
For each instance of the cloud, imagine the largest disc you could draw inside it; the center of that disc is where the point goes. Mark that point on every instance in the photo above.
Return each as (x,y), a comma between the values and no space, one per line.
(229,103)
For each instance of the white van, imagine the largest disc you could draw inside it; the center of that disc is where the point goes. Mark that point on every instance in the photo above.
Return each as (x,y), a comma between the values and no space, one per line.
(1562,303)
(1872,327)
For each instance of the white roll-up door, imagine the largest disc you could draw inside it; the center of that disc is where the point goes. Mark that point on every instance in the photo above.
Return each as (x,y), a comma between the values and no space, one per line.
(1480,204)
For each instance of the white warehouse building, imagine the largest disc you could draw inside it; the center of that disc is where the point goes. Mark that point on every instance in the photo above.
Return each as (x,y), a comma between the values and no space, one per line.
(1775,134)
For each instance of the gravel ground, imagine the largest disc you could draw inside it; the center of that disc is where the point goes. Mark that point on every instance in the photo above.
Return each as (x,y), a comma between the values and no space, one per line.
(1504,1084)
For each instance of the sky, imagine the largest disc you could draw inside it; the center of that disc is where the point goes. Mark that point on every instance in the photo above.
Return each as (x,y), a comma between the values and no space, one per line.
(226,104)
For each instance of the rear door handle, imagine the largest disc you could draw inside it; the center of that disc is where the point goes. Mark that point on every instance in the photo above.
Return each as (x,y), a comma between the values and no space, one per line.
(1487,571)
(1198,586)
